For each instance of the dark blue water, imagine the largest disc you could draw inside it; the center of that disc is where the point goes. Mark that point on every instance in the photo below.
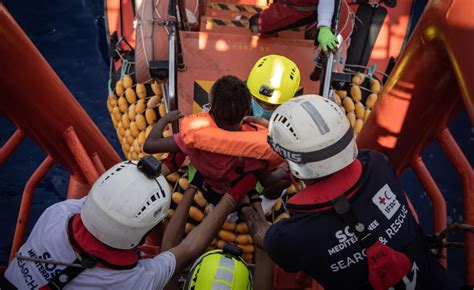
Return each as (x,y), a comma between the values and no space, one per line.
(71,37)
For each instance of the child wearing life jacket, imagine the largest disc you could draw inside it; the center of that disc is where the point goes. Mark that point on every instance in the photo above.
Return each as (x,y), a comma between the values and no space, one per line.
(273,80)
(232,167)
(351,227)
(224,168)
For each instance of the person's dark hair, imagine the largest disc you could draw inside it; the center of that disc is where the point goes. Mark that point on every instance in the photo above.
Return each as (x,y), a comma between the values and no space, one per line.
(230,101)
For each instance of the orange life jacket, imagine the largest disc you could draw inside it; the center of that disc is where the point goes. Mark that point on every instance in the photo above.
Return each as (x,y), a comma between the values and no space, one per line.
(200,131)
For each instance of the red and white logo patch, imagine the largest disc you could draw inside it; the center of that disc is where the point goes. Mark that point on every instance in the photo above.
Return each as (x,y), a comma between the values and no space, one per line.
(386,201)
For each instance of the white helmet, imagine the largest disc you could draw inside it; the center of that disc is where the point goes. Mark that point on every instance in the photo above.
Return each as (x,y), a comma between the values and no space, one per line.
(124,205)
(314,135)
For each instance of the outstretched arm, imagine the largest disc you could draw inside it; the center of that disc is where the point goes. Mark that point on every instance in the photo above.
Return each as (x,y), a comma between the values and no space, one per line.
(258,226)
(156,143)
(199,238)
(175,229)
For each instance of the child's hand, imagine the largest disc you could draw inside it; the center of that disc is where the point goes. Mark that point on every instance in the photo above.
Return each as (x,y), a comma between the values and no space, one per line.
(258,120)
(173,116)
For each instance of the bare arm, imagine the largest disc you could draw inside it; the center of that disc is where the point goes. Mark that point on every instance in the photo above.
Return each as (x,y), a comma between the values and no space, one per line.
(175,229)
(258,226)
(156,143)
(263,272)
(198,239)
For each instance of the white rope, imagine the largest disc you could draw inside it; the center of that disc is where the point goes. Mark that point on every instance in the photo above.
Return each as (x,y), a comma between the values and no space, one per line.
(196,10)
(142,36)
(19,256)
(159,15)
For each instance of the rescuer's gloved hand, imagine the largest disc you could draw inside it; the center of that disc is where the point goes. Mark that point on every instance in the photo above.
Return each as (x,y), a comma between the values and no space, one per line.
(327,40)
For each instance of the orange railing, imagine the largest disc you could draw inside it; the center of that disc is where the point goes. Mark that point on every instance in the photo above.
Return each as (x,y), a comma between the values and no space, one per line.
(432,82)
(37,102)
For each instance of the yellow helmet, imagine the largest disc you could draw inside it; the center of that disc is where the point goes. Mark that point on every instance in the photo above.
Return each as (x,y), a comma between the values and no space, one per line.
(274,79)
(219,269)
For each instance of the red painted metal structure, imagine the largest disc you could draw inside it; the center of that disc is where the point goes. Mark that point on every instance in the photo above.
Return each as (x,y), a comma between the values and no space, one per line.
(37,102)
(419,101)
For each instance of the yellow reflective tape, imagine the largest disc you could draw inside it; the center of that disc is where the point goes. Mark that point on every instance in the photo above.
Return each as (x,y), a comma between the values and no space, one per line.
(232,7)
(231,23)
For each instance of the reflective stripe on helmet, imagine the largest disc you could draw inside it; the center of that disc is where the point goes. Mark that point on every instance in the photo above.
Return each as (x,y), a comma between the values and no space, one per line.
(224,275)
(316,116)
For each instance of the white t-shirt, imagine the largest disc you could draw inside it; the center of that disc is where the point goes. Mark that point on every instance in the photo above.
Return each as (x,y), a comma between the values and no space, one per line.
(49,240)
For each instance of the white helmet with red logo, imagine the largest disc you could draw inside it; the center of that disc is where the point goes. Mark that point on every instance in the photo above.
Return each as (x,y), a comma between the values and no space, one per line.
(313,135)
(125,203)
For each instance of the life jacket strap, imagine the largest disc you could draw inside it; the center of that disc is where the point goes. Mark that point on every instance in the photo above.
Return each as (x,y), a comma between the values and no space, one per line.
(69,273)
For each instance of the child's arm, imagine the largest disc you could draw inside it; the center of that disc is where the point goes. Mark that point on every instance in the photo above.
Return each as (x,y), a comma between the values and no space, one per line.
(156,143)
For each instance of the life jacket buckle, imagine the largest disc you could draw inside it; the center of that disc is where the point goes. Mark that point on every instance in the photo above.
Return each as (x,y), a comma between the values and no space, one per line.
(88,261)
(341,205)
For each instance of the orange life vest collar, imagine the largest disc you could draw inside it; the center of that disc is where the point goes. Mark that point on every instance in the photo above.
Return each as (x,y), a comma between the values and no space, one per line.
(318,196)
(200,131)
(83,241)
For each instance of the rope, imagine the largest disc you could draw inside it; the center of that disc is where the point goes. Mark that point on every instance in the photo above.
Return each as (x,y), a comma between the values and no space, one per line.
(19,256)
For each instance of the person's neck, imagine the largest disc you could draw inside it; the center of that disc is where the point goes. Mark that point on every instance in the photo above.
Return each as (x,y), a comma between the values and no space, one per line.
(235,127)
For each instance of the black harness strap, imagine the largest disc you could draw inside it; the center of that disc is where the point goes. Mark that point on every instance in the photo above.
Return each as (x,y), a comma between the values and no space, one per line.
(69,273)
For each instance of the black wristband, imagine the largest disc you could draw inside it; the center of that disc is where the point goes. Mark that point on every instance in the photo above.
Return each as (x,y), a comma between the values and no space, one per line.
(256,199)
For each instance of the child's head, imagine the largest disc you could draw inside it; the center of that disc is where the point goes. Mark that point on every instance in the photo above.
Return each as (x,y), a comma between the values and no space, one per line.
(230,102)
